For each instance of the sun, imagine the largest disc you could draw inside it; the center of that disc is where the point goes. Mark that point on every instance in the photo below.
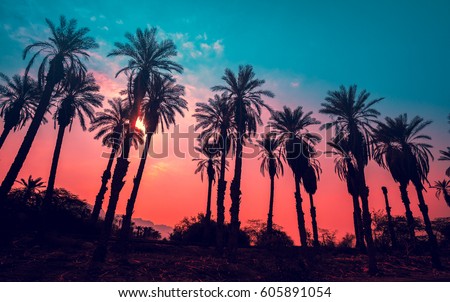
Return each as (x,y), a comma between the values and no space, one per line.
(140,125)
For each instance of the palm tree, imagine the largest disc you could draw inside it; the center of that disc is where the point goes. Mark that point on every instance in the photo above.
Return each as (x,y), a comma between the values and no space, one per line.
(389,217)
(245,97)
(345,168)
(165,100)
(18,101)
(216,119)
(78,100)
(271,157)
(291,127)
(401,148)
(110,124)
(443,187)
(310,177)
(446,156)
(353,115)
(147,57)
(31,187)
(212,165)
(62,53)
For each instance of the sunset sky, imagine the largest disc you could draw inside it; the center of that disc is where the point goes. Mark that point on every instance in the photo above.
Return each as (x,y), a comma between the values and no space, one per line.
(399,51)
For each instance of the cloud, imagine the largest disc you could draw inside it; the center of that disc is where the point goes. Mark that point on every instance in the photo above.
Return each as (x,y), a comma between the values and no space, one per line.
(218,47)
(295,84)
(105,28)
(202,37)
(120,21)
(93,18)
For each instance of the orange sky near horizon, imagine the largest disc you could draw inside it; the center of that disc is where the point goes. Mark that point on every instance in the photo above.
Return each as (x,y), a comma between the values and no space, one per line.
(170,191)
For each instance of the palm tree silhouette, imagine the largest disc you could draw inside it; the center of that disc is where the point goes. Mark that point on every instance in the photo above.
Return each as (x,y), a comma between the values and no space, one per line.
(18,101)
(210,164)
(111,125)
(291,127)
(245,97)
(353,117)
(443,187)
(79,98)
(344,167)
(31,188)
(271,156)
(147,58)
(310,178)
(446,156)
(62,53)
(165,100)
(216,119)
(389,217)
(400,149)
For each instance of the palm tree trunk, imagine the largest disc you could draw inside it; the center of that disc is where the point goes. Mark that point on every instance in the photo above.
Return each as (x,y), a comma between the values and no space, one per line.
(208,202)
(357,221)
(390,221)
(435,259)
(103,188)
(221,188)
(447,198)
(300,214)
(120,171)
(5,133)
(54,76)
(409,215)
(367,226)
(270,215)
(314,222)
(51,180)
(126,223)
(235,193)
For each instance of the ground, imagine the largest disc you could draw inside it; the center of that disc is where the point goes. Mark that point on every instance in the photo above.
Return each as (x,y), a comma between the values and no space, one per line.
(69,259)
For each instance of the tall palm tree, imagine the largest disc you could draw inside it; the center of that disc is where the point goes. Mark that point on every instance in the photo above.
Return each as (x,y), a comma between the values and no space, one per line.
(389,218)
(165,100)
(216,119)
(110,124)
(353,115)
(292,128)
(405,152)
(147,58)
(211,164)
(446,156)
(443,187)
(18,101)
(271,157)
(31,187)
(391,153)
(345,168)
(245,95)
(79,98)
(62,53)
(310,178)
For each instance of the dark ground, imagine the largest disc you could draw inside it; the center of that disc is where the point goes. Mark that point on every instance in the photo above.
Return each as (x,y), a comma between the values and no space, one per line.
(69,259)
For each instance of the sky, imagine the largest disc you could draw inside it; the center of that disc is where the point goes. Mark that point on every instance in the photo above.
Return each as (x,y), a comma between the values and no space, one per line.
(398,50)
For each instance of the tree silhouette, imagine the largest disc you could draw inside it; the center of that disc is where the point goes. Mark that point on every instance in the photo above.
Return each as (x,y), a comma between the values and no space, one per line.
(271,157)
(31,187)
(18,101)
(405,152)
(165,100)
(216,119)
(353,117)
(147,58)
(111,126)
(344,167)
(389,218)
(79,98)
(291,127)
(62,53)
(310,178)
(211,164)
(245,97)
(443,187)
(446,156)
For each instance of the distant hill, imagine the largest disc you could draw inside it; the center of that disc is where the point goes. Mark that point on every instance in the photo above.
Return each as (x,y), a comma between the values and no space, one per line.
(165,230)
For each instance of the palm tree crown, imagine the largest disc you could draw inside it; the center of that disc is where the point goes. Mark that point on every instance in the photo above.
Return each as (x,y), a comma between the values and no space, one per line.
(271,155)
(210,163)
(443,187)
